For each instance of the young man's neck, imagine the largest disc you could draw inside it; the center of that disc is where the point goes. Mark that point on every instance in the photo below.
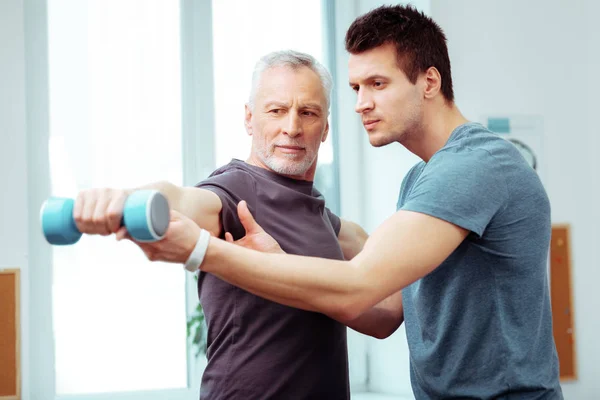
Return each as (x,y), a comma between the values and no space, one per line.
(438,124)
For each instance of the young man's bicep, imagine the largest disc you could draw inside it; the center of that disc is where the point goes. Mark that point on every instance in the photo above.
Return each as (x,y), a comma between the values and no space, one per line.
(403,249)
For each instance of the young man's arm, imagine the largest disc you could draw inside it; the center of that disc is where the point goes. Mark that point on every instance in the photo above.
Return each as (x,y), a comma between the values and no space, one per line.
(406,247)
(379,321)
(384,318)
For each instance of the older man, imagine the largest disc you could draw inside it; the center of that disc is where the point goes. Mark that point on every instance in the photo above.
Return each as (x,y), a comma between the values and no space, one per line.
(258,349)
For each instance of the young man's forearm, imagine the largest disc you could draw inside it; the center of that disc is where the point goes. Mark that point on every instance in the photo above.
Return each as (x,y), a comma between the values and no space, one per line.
(332,287)
(381,320)
(406,247)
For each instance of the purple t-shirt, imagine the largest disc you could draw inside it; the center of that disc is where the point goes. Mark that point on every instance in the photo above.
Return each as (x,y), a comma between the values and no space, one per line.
(258,349)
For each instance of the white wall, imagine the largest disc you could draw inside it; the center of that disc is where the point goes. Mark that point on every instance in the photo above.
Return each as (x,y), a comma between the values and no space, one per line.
(13,155)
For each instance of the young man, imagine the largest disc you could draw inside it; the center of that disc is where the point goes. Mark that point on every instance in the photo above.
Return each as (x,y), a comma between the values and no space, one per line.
(258,349)
(467,247)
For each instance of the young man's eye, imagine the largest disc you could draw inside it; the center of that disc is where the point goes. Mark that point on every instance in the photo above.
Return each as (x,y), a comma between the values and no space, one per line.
(377,83)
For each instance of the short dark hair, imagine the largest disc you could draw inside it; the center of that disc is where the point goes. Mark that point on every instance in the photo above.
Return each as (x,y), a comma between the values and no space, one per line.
(419,41)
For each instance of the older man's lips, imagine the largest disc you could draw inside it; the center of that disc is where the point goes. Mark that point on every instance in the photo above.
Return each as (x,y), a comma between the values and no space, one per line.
(290,149)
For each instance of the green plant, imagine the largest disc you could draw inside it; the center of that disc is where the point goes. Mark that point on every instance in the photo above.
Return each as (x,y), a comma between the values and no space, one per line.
(196,329)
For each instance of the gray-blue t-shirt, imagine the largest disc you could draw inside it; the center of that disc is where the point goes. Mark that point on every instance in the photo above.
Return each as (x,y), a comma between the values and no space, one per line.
(480,325)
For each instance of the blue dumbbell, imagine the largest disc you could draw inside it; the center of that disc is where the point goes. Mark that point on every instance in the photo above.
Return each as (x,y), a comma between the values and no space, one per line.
(145,215)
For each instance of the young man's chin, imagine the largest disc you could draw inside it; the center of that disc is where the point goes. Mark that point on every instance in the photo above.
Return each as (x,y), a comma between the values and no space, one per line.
(378,139)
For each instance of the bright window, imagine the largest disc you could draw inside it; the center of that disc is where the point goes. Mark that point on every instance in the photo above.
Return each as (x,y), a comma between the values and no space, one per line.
(115,121)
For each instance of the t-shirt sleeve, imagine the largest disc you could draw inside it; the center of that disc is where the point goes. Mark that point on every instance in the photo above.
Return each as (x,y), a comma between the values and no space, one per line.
(336,222)
(466,188)
(232,187)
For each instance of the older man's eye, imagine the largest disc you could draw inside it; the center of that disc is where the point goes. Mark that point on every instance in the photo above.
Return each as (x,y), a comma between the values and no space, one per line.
(275,111)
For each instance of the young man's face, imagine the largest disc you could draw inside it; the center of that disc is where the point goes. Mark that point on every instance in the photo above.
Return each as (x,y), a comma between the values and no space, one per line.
(391,107)
(288,121)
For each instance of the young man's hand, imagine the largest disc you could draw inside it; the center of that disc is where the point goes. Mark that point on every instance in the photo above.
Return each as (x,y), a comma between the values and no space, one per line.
(256,238)
(176,246)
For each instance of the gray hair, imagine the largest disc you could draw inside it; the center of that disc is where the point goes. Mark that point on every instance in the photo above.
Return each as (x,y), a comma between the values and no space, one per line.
(293,59)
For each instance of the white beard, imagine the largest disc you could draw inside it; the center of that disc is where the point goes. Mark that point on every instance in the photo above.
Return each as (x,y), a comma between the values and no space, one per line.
(286,164)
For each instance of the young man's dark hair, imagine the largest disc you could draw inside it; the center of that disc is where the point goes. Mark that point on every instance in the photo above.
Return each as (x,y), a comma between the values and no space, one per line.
(420,43)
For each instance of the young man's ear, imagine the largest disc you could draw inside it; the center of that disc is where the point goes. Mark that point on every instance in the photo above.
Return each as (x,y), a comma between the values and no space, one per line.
(248,120)
(433,82)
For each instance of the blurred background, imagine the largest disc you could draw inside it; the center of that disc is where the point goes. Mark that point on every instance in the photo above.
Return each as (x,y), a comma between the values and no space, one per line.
(120,93)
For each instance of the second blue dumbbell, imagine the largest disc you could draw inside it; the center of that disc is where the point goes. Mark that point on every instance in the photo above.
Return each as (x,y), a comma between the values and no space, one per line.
(145,216)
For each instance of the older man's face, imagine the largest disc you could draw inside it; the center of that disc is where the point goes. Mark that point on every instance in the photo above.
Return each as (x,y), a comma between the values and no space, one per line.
(288,122)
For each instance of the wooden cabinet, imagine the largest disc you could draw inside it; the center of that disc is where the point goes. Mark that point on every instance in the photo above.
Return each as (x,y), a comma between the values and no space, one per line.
(10,371)
(562,300)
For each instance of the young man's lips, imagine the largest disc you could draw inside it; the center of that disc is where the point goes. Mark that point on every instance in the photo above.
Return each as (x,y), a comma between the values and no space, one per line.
(370,123)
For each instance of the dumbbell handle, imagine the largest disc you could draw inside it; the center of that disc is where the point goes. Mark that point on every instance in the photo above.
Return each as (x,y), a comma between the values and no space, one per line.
(145,215)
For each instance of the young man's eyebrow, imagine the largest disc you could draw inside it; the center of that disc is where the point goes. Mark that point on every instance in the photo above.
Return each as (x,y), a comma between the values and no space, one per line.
(369,78)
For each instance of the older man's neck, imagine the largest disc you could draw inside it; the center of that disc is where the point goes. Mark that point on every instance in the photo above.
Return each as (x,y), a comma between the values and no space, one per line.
(309,175)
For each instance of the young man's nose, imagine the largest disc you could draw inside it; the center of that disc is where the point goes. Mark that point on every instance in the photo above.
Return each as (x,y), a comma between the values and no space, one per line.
(363,102)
